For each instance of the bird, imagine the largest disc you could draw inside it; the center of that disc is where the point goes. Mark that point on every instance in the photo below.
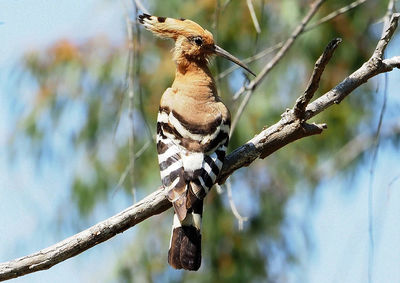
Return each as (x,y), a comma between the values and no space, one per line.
(192,132)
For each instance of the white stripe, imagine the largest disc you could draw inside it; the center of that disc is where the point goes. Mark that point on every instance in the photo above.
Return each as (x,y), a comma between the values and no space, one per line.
(172,138)
(177,223)
(209,171)
(162,117)
(203,185)
(168,153)
(217,162)
(192,161)
(166,141)
(221,128)
(222,148)
(218,146)
(224,128)
(186,134)
(192,219)
(170,168)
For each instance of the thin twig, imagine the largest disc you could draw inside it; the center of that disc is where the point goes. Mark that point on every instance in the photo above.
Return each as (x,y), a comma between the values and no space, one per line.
(278,45)
(249,89)
(119,112)
(379,52)
(354,148)
(255,57)
(227,2)
(139,4)
(395,179)
(131,99)
(215,26)
(124,174)
(334,14)
(235,212)
(370,187)
(253,16)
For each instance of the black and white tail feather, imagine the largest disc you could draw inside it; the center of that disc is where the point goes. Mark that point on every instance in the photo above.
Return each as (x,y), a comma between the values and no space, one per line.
(188,175)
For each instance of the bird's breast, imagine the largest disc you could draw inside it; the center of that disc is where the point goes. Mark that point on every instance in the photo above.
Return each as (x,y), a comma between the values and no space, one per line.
(200,108)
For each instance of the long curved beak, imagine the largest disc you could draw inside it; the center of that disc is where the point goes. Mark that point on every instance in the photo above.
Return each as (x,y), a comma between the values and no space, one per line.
(221,52)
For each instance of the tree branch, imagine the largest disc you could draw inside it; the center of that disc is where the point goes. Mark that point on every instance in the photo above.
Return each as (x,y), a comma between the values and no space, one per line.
(278,45)
(285,131)
(153,204)
(313,84)
(252,85)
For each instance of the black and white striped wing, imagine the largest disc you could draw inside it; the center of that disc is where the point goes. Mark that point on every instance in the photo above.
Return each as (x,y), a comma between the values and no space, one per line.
(190,161)
(198,154)
(171,165)
(204,174)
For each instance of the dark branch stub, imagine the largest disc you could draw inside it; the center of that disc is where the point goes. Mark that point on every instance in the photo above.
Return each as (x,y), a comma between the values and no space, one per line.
(313,84)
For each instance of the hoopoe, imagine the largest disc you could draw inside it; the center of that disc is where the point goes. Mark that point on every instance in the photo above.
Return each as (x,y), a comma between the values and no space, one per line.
(192,132)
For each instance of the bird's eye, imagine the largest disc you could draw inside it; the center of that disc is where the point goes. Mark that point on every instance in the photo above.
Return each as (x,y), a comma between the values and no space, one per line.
(198,40)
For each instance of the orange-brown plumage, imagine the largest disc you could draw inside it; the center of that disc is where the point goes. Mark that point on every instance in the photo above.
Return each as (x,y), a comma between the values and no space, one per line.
(192,132)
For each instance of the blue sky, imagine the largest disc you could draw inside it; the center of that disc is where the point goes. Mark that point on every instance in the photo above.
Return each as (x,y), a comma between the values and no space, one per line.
(337,218)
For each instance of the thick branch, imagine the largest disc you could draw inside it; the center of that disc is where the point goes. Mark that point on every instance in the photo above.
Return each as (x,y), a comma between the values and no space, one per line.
(287,130)
(74,245)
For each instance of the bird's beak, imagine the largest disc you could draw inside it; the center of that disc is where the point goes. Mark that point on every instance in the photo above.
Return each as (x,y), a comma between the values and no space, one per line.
(221,52)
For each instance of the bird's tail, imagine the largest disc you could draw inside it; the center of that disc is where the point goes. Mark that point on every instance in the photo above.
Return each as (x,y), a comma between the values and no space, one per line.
(185,246)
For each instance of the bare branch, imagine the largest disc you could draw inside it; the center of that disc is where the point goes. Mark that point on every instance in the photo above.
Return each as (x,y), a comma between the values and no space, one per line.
(131,99)
(125,173)
(334,14)
(286,46)
(278,45)
(72,246)
(241,219)
(313,84)
(249,89)
(392,63)
(139,4)
(253,16)
(375,65)
(354,148)
(386,36)
(255,57)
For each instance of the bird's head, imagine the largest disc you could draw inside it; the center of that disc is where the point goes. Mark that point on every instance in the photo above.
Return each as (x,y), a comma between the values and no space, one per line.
(192,42)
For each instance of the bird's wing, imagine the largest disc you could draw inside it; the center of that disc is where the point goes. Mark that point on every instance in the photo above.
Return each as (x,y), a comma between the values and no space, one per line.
(171,166)
(189,157)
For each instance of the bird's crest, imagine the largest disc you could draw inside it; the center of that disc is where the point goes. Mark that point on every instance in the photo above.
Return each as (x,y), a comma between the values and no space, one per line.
(173,28)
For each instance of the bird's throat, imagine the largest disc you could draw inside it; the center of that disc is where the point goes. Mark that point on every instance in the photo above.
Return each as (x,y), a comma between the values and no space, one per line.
(194,78)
